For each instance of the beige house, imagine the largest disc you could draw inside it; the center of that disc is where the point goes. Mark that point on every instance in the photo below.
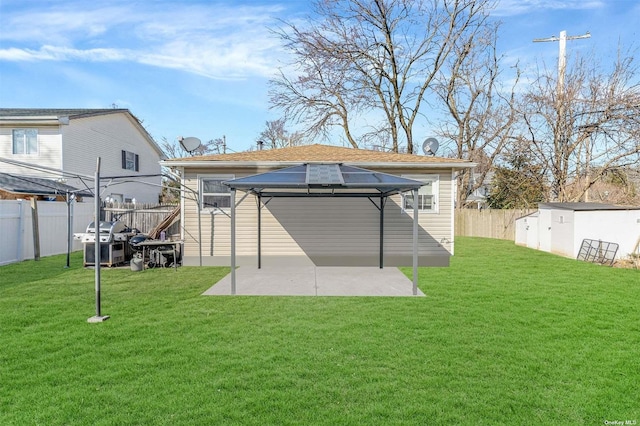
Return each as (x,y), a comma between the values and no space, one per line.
(284,221)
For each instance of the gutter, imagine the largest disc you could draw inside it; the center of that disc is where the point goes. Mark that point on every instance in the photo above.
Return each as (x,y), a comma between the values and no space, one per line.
(42,120)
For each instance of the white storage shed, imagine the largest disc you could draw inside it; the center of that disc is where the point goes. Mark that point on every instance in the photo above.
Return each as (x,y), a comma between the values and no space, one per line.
(560,228)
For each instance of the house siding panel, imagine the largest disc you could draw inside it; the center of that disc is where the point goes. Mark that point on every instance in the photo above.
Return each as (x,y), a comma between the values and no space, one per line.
(49,150)
(106,136)
(322,231)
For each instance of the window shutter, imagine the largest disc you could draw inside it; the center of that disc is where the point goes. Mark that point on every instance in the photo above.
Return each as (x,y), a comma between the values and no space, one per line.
(124,159)
(137,168)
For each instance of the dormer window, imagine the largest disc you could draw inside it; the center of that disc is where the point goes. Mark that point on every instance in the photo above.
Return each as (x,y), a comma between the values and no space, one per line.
(25,141)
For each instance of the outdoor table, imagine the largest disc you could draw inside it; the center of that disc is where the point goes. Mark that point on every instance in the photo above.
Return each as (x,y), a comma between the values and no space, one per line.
(157,243)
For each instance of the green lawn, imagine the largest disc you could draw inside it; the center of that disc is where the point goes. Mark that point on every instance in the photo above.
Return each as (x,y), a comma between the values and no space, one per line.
(506,335)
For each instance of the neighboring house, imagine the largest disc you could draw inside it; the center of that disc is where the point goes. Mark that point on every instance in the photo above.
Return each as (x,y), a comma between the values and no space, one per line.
(316,229)
(43,142)
(478,198)
(560,228)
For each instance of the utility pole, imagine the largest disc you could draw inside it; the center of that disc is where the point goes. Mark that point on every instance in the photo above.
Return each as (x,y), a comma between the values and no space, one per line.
(562,55)
(562,137)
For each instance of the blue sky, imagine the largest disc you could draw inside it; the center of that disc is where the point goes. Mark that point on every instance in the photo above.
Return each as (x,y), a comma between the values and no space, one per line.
(200,67)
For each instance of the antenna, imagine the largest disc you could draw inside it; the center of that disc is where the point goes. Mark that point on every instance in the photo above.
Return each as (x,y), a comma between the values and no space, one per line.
(430,146)
(189,144)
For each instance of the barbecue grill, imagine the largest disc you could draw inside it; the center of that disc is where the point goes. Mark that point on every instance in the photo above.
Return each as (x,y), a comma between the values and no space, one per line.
(114,247)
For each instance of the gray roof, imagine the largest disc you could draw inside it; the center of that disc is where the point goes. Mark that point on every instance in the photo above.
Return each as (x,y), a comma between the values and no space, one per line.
(324,180)
(56,112)
(37,186)
(9,115)
(585,206)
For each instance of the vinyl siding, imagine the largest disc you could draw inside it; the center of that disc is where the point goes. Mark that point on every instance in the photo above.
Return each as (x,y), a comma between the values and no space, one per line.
(322,231)
(105,136)
(49,150)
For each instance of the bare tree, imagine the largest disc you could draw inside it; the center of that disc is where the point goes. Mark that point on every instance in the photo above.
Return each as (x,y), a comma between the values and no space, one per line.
(370,63)
(170,186)
(275,135)
(173,150)
(481,111)
(616,187)
(587,130)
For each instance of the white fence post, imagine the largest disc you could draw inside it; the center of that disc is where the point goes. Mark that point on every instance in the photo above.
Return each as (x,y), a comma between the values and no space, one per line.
(20,245)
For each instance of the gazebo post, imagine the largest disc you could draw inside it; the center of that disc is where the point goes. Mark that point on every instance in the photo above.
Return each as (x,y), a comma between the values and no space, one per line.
(259,231)
(383,201)
(233,240)
(415,242)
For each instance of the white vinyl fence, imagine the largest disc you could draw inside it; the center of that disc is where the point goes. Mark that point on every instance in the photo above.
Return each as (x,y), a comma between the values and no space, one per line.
(16,228)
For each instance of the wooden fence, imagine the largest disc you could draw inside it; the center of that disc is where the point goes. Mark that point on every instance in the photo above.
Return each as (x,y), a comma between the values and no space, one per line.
(488,223)
(143,217)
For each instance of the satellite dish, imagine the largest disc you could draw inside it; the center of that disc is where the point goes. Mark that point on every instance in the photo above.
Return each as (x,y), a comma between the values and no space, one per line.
(430,146)
(189,144)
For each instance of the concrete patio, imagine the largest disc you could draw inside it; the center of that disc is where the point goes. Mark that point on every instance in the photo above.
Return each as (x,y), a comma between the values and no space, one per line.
(316,281)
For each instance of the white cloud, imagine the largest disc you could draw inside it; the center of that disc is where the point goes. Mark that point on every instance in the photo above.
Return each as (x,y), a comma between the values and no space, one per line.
(55,53)
(519,7)
(214,40)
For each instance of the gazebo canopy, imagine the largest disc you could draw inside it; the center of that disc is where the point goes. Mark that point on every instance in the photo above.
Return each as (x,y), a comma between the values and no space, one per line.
(324,180)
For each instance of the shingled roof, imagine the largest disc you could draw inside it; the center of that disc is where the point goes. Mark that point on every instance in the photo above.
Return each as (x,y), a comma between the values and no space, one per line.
(318,153)
(36,186)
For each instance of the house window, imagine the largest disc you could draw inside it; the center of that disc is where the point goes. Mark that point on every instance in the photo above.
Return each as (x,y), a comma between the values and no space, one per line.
(130,161)
(25,141)
(213,193)
(427,194)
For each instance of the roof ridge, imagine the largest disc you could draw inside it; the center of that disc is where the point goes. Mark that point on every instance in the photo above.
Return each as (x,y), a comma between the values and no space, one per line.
(322,153)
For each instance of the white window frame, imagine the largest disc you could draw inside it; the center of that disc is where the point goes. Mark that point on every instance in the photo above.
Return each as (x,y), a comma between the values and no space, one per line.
(202,194)
(24,144)
(434,179)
